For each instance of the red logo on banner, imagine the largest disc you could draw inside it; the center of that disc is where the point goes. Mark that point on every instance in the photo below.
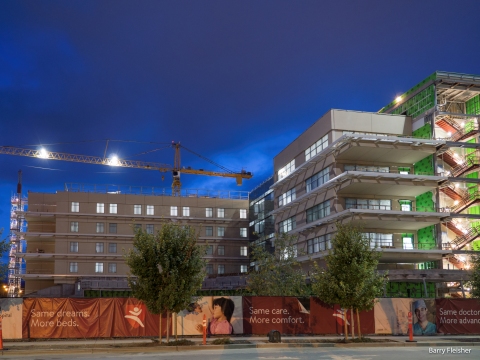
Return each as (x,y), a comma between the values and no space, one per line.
(135,314)
(341,315)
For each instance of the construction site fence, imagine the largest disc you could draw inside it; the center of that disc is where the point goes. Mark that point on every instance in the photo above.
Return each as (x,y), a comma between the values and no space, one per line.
(64,318)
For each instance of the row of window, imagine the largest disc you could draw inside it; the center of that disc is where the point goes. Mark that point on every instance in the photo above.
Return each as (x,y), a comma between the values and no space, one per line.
(221,231)
(319,243)
(99,247)
(149,228)
(316,148)
(150,210)
(112,267)
(373,204)
(221,269)
(221,250)
(318,211)
(311,183)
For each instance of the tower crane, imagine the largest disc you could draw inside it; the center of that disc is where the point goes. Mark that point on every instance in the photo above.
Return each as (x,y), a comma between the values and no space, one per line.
(176,170)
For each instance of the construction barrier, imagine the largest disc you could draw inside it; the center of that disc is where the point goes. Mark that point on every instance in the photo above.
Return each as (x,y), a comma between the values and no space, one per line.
(126,317)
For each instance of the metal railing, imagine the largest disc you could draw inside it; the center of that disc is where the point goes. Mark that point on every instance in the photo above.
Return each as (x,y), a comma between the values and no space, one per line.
(153,191)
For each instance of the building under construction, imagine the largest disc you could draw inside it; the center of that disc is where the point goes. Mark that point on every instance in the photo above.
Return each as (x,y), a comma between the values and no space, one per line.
(407,173)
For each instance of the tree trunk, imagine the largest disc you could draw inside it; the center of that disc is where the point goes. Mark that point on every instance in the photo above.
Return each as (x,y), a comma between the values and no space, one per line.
(345,313)
(160,328)
(358,325)
(175,325)
(352,323)
(168,327)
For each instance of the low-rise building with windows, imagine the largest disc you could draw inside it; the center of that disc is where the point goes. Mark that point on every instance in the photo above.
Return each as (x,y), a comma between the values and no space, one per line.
(77,237)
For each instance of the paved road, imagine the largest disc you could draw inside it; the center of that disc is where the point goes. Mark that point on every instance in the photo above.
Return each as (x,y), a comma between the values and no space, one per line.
(414,353)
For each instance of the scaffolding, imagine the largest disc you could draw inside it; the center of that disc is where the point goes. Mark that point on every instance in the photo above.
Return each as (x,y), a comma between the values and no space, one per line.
(18,245)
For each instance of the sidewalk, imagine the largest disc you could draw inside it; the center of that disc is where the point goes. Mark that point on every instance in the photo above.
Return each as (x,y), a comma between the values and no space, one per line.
(149,344)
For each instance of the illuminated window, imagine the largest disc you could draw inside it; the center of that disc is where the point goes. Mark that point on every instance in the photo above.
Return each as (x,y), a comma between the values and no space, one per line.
(287,225)
(186,211)
(173,211)
(316,148)
(243,213)
(243,268)
(243,251)
(113,208)
(243,232)
(209,212)
(100,208)
(75,207)
(150,210)
(137,209)
(286,170)
(99,267)
(287,197)
(73,267)
(221,213)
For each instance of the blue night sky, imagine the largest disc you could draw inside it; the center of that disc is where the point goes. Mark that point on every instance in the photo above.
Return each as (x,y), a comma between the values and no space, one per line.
(235,81)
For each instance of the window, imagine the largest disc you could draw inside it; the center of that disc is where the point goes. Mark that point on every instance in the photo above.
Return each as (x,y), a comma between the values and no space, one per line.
(287,225)
(186,211)
(137,227)
(318,179)
(320,243)
(209,250)
(404,170)
(112,228)
(243,232)
(99,267)
(220,213)
(220,231)
(99,247)
(221,250)
(406,205)
(407,243)
(75,207)
(149,228)
(367,168)
(260,227)
(100,208)
(243,268)
(173,211)
(243,251)
(74,226)
(137,209)
(372,204)
(286,170)
(287,197)
(150,210)
(112,248)
(113,208)
(243,213)
(112,268)
(100,227)
(208,231)
(318,211)
(379,240)
(74,246)
(316,148)
(209,269)
(73,267)
(221,269)
(208,212)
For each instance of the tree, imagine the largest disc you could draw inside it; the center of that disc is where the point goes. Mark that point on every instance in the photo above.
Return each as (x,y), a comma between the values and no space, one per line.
(474,282)
(167,268)
(279,273)
(351,278)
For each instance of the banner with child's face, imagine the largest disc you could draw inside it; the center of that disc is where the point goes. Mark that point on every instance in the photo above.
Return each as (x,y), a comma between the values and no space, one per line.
(222,314)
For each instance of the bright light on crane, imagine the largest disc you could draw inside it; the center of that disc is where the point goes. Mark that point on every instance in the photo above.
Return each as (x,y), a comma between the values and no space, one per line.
(113,161)
(43,154)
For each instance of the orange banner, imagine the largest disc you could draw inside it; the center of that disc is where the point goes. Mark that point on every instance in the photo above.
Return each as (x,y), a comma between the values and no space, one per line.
(57,318)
